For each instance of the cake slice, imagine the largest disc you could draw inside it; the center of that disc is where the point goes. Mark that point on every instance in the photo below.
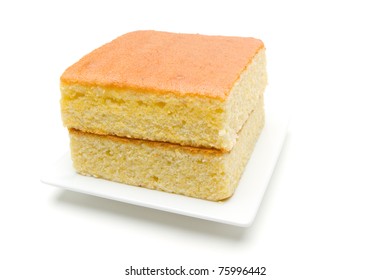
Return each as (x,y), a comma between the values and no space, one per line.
(187,89)
(197,172)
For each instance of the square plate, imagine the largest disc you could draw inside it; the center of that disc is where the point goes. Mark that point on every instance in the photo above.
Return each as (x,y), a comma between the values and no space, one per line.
(239,210)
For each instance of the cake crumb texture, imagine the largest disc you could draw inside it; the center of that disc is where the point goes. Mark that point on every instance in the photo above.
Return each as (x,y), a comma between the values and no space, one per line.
(186,119)
(197,172)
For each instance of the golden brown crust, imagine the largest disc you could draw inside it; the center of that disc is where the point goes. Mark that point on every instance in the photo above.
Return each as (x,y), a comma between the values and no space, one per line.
(163,145)
(162,62)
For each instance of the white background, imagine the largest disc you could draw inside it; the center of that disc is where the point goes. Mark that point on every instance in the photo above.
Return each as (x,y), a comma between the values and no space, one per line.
(327,209)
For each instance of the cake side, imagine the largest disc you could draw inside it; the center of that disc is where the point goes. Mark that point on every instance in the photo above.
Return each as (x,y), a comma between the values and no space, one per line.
(183,119)
(163,62)
(197,172)
(244,95)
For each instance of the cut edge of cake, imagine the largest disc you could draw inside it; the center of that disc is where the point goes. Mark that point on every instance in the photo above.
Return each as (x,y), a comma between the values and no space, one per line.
(183,119)
(197,172)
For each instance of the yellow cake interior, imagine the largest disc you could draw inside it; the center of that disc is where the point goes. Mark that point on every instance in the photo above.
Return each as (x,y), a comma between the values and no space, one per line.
(198,172)
(191,120)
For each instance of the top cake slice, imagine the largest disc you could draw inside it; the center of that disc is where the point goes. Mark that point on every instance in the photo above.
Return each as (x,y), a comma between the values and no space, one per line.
(188,89)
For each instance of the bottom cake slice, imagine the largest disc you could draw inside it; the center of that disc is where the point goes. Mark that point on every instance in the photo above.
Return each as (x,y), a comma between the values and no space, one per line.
(197,172)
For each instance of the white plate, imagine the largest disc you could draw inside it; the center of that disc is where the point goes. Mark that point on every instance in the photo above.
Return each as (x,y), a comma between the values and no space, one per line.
(240,210)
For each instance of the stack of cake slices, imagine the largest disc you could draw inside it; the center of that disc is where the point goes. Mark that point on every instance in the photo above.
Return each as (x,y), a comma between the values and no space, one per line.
(179,113)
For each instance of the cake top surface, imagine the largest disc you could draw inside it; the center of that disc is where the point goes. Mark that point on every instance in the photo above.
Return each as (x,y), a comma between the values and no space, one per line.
(166,62)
